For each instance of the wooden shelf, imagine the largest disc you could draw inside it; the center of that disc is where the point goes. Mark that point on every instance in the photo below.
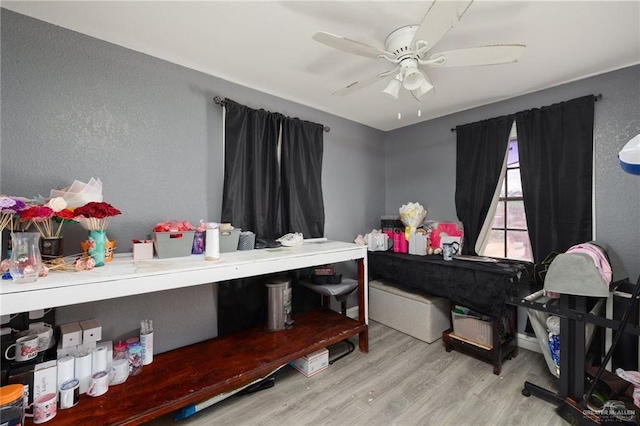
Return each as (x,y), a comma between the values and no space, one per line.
(197,372)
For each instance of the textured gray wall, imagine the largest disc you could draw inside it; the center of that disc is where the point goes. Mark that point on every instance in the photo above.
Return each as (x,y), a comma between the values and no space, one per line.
(74,107)
(421,159)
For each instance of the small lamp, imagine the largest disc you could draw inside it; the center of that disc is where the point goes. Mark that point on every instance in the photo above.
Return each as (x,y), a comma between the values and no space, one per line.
(413,79)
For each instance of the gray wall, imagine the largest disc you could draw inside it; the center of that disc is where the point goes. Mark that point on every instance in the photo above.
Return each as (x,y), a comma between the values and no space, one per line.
(74,107)
(428,152)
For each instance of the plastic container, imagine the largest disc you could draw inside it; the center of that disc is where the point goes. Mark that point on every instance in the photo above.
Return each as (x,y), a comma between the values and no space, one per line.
(173,244)
(229,240)
(135,359)
(120,351)
(12,404)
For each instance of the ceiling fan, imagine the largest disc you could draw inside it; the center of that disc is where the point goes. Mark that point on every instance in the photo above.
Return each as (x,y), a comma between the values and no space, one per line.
(408,49)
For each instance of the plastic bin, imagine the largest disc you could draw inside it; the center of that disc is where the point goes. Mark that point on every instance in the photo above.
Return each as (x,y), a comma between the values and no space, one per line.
(473,329)
(173,244)
(229,240)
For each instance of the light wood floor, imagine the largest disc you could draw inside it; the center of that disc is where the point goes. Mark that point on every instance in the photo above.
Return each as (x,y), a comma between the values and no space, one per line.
(401,381)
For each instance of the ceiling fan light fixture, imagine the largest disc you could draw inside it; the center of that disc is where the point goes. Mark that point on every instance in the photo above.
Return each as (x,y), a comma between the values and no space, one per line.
(393,88)
(422,90)
(413,79)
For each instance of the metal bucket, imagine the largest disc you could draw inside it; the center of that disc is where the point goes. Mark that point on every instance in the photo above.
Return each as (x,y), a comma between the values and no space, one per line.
(279,304)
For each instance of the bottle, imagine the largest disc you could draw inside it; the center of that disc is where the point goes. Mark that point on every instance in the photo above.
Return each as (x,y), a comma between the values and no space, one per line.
(212,245)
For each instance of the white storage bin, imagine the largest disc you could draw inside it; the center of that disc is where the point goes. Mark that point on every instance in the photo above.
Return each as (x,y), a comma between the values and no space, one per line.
(415,313)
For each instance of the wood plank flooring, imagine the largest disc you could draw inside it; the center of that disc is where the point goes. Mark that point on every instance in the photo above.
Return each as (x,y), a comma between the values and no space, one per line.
(401,381)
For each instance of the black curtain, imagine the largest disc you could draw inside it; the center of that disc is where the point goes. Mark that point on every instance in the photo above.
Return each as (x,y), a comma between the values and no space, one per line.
(251,192)
(555,144)
(480,152)
(302,202)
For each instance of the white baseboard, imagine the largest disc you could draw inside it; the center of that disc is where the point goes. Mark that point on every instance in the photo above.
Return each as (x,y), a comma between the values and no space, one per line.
(352,312)
(527,342)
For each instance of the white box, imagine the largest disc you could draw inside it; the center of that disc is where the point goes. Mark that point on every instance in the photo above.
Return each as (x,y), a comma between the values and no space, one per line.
(45,378)
(71,334)
(418,244)
(312,363)
(410,311)
(109,345)
(91,331)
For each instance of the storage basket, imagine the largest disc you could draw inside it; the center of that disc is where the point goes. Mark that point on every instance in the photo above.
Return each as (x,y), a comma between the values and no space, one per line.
(473,329)
(173,244)
(229,240)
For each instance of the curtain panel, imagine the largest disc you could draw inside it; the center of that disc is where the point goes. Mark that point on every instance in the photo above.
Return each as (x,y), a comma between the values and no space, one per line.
(301,174)
(556,164)
(251,192)
(273,173)
(480,154)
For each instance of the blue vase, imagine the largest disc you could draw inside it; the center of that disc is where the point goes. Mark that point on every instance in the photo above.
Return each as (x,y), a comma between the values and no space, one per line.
(97,239)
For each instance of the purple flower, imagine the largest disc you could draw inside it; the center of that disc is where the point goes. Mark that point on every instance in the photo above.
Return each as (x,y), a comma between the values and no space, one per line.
(10,205)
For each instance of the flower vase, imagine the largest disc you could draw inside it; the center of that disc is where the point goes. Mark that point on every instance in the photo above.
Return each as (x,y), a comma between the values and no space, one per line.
(26,262)
(51,248)
(97,239)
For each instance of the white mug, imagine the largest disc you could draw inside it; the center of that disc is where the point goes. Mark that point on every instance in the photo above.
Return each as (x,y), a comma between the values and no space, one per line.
(69,394)
(26,348)
(44,408)
(119,371)
(99,384)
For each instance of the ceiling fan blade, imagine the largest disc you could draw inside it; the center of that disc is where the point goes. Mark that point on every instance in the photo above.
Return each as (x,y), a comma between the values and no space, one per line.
(481,55)
(357,85)
(349,46)
(439,19)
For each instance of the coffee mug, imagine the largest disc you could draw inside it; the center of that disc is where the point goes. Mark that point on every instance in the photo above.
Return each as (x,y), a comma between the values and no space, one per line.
(119,371)
(44,408)
(69,394)
(45,335)
(26,348)
(99,384)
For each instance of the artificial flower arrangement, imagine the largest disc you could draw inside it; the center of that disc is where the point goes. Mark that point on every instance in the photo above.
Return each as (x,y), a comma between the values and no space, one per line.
(49,219)
(10,208)
(96,215)
(174,226)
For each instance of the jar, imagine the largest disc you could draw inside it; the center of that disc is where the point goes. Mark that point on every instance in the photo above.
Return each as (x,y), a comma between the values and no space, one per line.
(135,359)
(12,404)
(120,351)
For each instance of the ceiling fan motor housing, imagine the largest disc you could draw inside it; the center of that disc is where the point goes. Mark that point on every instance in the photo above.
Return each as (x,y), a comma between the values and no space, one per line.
(399,41)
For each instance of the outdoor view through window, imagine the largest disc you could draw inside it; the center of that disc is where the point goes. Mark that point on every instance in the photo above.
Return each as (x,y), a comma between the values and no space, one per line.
(509,237)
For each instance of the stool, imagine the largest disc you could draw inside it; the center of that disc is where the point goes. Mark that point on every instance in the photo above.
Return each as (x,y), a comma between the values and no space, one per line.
(341,292)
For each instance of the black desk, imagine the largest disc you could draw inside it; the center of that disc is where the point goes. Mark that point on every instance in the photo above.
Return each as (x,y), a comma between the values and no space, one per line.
(481,286)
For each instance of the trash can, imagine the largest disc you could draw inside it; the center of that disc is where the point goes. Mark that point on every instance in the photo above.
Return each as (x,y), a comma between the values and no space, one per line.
(625,354)
(278,303)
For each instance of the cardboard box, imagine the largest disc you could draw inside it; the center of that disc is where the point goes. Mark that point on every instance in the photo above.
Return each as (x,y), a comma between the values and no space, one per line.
(45,378)
(312,363)
(143,250)
(91,331)
(71,334)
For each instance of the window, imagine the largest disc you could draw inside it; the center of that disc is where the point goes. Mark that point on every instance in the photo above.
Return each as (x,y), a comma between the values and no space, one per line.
(508,236)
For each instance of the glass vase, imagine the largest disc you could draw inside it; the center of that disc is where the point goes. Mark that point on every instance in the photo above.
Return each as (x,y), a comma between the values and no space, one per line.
(26,262)
(97,240)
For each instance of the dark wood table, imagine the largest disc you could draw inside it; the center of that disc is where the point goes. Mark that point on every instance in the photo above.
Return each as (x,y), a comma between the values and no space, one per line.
(484,287)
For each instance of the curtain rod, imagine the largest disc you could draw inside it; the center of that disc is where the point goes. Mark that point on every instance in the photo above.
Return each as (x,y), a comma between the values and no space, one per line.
(219,101)
(596,98)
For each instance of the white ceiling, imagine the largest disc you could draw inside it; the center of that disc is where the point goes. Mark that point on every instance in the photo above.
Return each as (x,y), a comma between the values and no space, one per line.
(267,46)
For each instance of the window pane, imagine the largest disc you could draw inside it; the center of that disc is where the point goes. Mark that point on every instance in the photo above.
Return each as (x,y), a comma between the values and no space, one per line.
(512,158)
(514,182)
(495,246)
(498,219)
(515,215)
(518,245)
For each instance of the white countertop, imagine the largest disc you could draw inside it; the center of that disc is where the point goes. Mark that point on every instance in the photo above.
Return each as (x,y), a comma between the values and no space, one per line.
(125,277)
